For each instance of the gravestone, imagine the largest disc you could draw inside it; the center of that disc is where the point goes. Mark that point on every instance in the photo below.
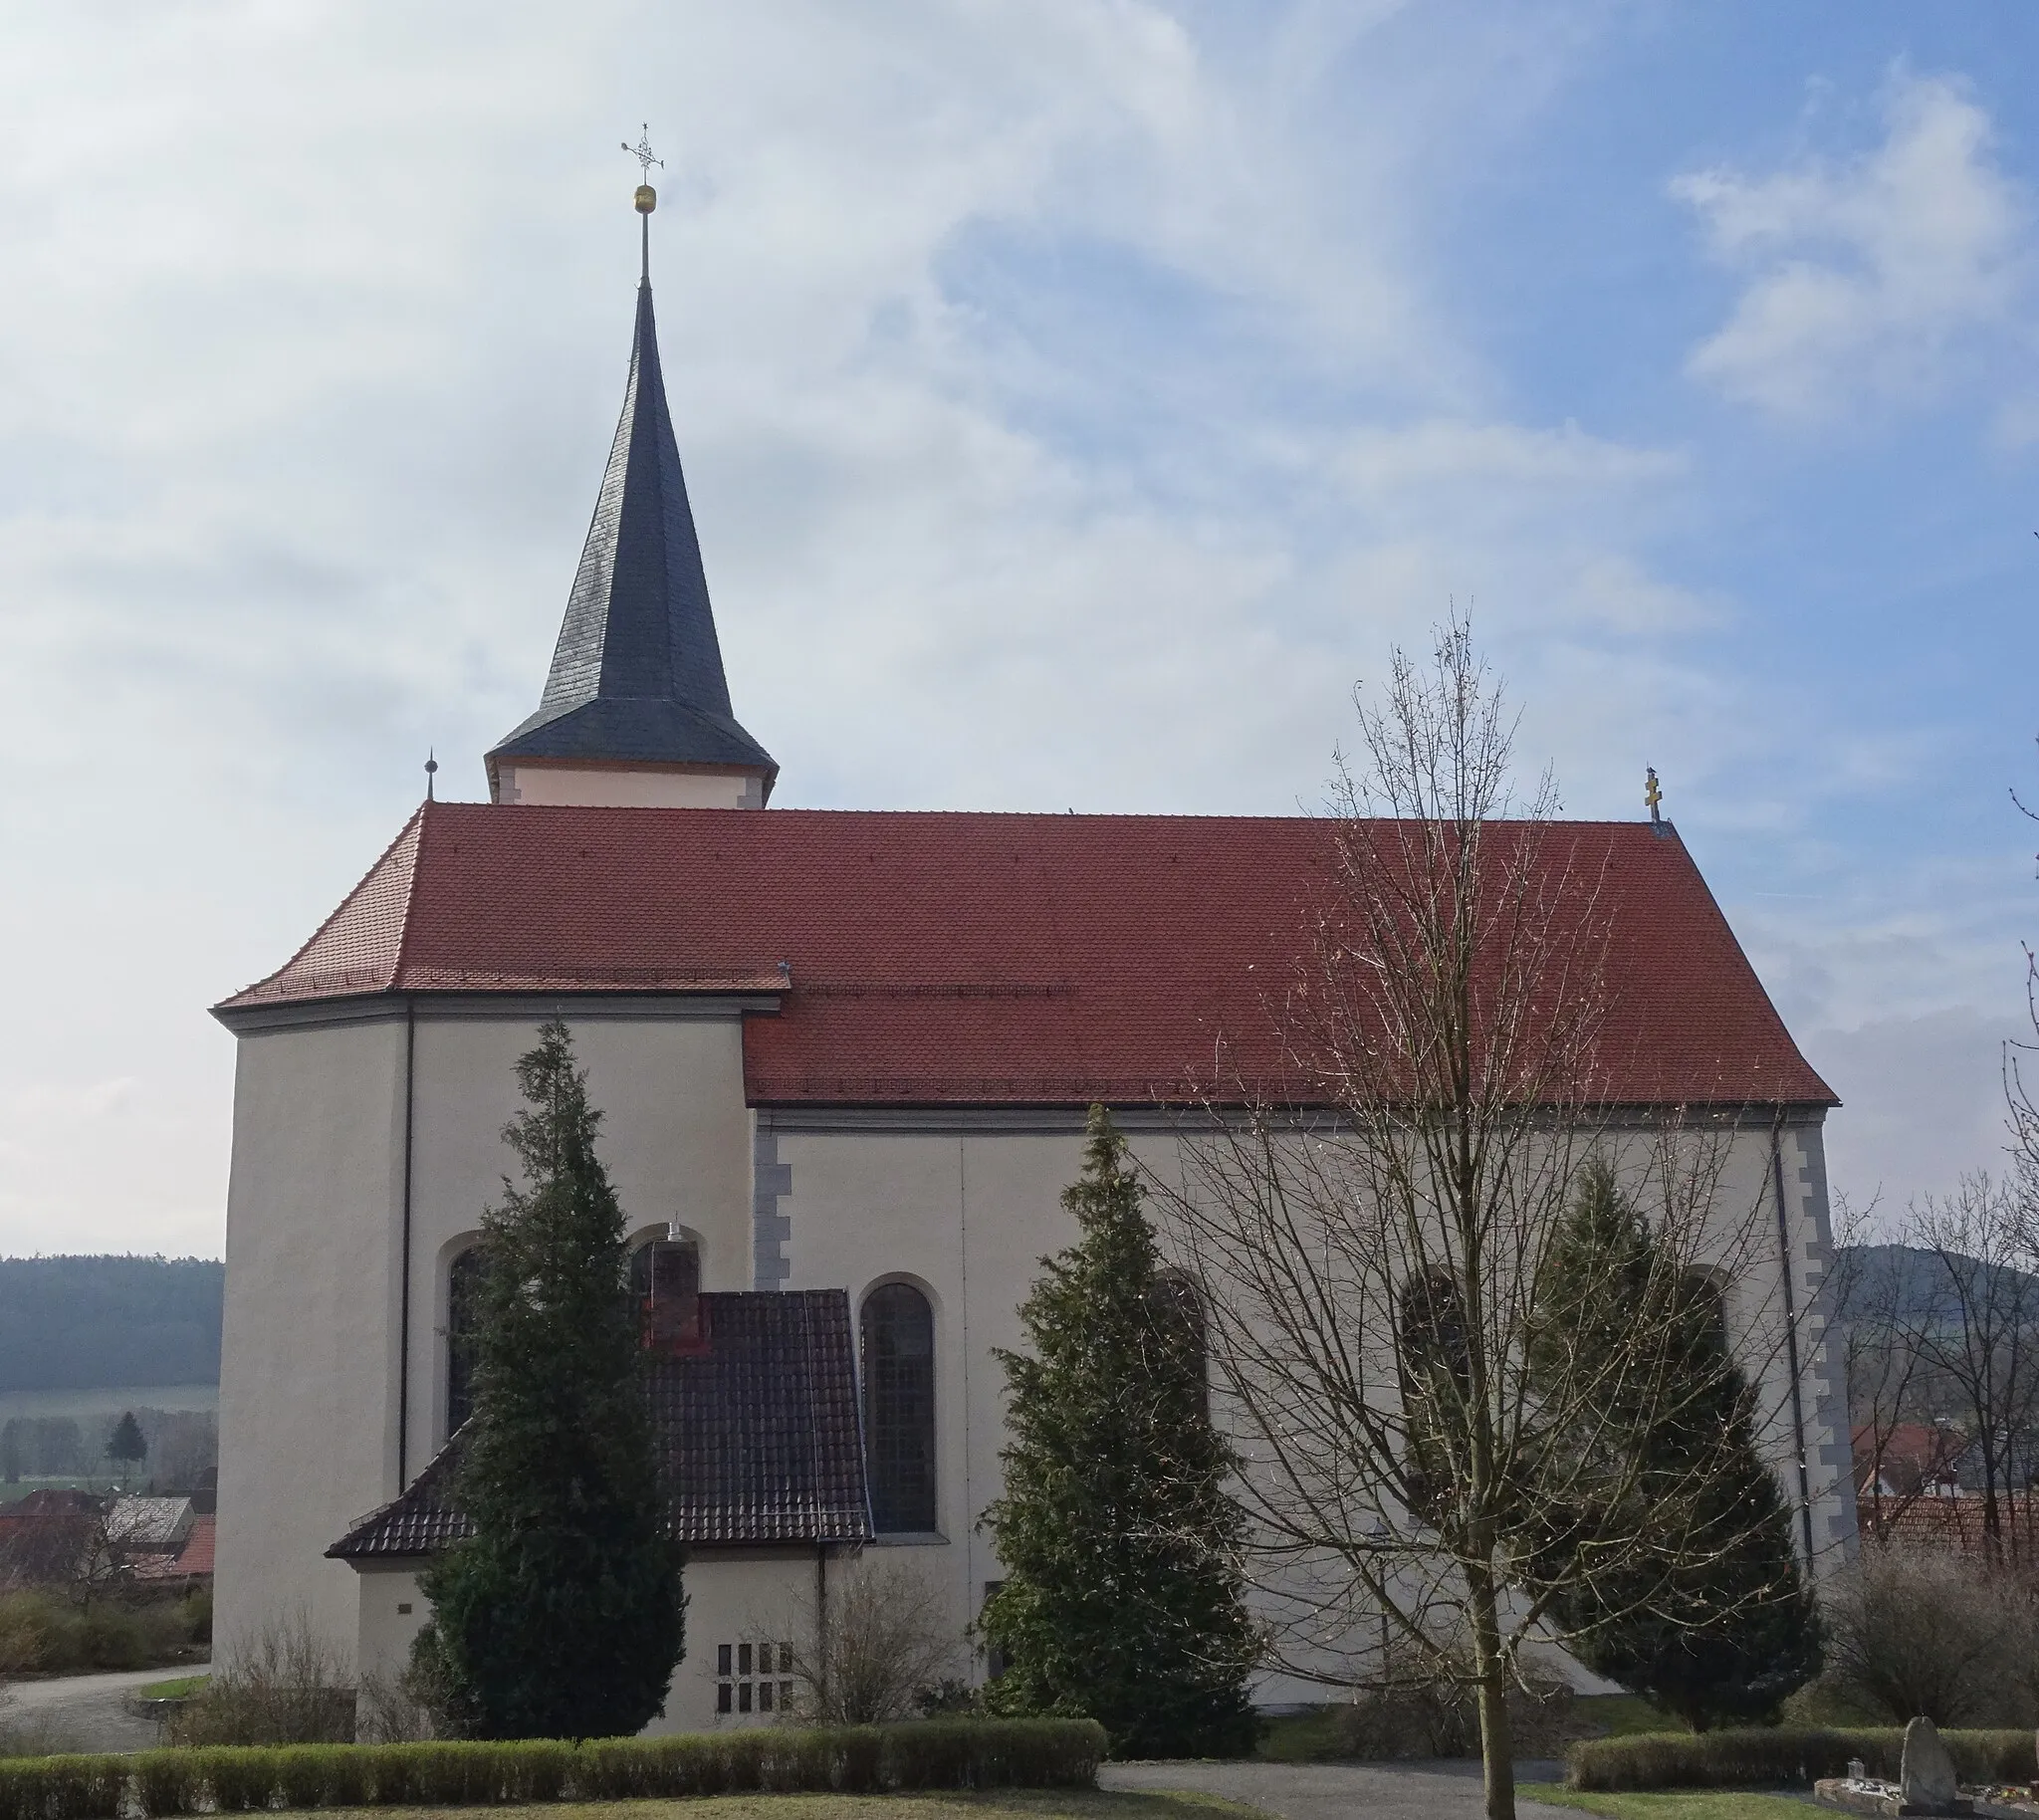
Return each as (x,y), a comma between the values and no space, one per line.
(1926,1780)
(1926,1785)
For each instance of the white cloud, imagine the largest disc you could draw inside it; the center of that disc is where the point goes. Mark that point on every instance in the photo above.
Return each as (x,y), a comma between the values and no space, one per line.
(1922,1103)
(1073,402)
(1867,276)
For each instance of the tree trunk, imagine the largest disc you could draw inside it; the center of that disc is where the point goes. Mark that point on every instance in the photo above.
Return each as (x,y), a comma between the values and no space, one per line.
(1496,1737)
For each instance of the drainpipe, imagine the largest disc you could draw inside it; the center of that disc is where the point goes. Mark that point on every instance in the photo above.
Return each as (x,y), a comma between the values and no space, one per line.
(1791,1332)
(410,1051)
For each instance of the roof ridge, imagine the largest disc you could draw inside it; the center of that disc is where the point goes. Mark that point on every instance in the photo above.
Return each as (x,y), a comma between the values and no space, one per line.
(1052,816)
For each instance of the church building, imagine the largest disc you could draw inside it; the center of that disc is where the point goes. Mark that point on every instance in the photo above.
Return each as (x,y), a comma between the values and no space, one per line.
(844,1060)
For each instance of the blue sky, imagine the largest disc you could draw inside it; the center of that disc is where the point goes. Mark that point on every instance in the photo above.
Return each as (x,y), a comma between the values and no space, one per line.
(1079,396)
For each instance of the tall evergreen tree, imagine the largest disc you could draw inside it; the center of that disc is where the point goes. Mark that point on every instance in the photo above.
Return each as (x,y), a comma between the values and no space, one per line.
(561,1615)
(1723,1627)
(1122,1600)
(126,1446)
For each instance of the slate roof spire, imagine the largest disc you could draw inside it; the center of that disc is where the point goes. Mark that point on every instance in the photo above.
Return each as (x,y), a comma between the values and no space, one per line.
(636,678)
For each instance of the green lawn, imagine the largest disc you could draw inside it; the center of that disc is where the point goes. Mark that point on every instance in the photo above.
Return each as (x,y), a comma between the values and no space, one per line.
(180,1687)
(1007,1804)
(1303,1738)
(1624,1714)
(1676,1804)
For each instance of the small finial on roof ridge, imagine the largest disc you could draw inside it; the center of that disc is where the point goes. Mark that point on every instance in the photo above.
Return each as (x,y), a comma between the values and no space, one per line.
(1653,797)
(431,773)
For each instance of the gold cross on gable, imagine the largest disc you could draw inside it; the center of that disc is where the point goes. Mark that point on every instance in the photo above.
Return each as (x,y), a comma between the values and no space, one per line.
(641,151)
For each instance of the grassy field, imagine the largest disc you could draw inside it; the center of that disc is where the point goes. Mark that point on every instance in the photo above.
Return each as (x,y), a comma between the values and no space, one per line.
(1007,1804)
(1676,1804)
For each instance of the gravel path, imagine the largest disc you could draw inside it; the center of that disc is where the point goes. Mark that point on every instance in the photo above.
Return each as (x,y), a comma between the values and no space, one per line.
(88,1710)
(1338,1791)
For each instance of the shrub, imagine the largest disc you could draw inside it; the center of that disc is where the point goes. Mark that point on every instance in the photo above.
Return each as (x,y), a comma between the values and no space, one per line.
(1785,1755)
(167,1782)
(228,1780)
(322,1775)
(43,1631)
(1420,1710)
(285,1685)
(865,1656)
(61,1788)
(972,1754)
(1912,1630)
(110,1637)
(388,1710)
(241,1781)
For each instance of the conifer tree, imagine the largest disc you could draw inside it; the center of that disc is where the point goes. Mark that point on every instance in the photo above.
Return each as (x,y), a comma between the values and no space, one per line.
(561,1615)
(1122,1600)
(1724,1627)
(126,1445)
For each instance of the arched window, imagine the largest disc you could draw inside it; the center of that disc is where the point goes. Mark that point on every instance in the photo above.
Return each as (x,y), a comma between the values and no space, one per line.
(463,1295)
(1436,1362)
(899,1407)
(1706,1297)
(665,1280)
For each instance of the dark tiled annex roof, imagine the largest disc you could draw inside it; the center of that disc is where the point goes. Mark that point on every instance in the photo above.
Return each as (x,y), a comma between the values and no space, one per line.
(759,1434)
(987,959)
(637,673)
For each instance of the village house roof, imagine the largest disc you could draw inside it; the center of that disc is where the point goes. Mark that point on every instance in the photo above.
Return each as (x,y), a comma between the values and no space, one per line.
(948,959)
(149,1525)
(637,673)
(757,1429)
(191,1563)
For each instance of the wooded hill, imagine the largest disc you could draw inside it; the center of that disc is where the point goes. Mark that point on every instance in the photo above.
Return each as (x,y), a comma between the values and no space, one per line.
(89,1323)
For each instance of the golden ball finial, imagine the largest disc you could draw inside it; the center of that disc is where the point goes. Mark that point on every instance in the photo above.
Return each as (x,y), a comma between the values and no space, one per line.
(647,198)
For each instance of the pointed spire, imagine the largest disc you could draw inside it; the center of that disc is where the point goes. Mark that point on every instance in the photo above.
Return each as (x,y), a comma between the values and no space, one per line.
(636,678)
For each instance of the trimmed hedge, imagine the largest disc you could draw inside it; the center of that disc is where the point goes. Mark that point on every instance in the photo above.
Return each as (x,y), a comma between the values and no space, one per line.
(1786,1755)
(862,1759)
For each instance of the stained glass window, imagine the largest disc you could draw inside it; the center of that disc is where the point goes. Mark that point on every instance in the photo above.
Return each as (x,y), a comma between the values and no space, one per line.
(899,1407)
(463,1291)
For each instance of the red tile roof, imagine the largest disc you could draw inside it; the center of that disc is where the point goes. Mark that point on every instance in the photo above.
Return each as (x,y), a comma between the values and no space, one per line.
(1957,1523)
(989,959)
(197,1556)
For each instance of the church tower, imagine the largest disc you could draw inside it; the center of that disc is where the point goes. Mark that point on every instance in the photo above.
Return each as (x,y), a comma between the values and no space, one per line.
(635,711)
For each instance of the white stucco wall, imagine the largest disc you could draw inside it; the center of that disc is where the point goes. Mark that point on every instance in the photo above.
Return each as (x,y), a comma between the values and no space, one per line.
(308,1386)
(675,1136)
(962,1206)
(733,1598)
(309,1428)
(391,1612)
(626,786)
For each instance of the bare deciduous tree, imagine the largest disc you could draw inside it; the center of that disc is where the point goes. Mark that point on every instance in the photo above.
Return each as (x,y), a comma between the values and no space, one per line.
(1873,1333)
(867,1648)
(1913,1631)
(1978,1335)
(283,1684)
(1372,1247)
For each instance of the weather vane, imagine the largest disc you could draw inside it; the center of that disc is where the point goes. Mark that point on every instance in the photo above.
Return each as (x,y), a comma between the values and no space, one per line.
(647,197)
(1653,795)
